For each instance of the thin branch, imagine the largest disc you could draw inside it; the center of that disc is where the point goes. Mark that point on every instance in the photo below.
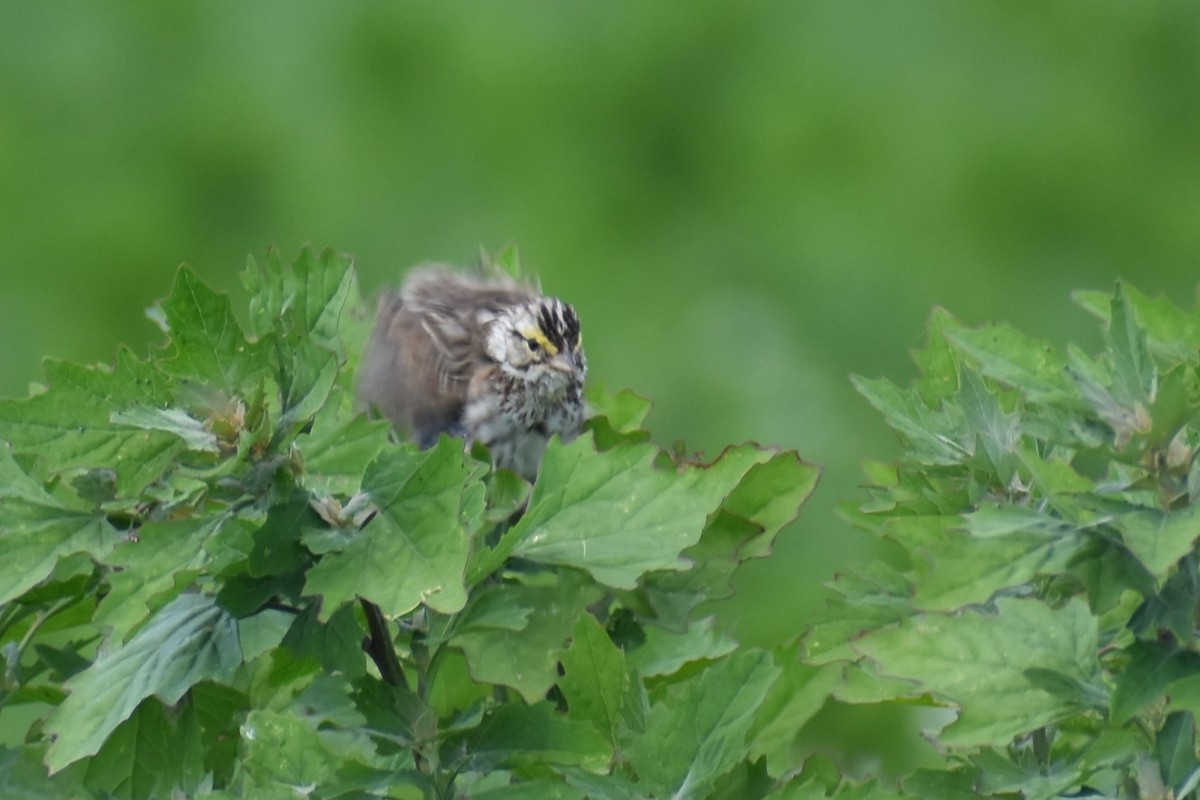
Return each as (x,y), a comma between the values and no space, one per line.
(379,645)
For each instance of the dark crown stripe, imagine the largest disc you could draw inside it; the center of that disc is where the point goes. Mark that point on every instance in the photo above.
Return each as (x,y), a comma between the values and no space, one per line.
(559,323)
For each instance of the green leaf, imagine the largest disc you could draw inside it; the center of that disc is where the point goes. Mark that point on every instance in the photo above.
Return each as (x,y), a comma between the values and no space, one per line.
(1126,418)
(766,500)
(194,433)
(415,548)
(1107,570)
(208,346)
(1170,331)
(531,790)
(1152,666)
(263,631)
(277,549)
(997,667)
(625,411)
(268,295)
(524,657)
(306,380)
(1171,608)
(458,696)
(809,786)
(35,534)
(1159,538)
(69,426)
(502,607)
(614,786)
(793,699)
(390,710)
(596,682)
(220,710)
(1134,373)
(1053,477)
(869,597)
(932,436)
(615,418)
(996,432)
(298,310)
(24,777)
(665,652)
(1113,751)
(965,561)
(16,482)
(696,730)
(1175,748)
(337,450)
(1184,694)
(149,755)
(616,515)
(770,496)
(187,641)
(282,749)
(64,662)
(507,494)
(863,683)
(746,781)
(1173,407)
(937,360)
(336,644)
(516,734)
(318,297)
(727,541)
(998,775)
(959,784)
(1006,355)
(150,567)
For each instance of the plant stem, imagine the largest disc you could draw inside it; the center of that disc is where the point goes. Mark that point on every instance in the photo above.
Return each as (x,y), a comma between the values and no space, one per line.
(379,645)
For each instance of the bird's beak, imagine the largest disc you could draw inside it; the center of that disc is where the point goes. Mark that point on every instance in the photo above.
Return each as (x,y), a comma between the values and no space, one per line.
(564,362)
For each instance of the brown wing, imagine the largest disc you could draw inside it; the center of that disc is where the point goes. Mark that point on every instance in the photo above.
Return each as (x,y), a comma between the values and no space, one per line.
(427,344)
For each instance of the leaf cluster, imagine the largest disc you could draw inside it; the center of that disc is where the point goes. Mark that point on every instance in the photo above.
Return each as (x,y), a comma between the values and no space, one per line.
(1045,512)
(221,580)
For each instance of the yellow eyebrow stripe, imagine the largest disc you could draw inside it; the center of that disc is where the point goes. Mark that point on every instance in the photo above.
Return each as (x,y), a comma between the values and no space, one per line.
(540,338)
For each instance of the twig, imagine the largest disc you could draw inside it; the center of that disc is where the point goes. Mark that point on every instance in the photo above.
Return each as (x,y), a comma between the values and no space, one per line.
(379,645)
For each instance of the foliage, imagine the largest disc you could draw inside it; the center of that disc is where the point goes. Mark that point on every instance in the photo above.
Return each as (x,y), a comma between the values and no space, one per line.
(1046,518)
(220,580)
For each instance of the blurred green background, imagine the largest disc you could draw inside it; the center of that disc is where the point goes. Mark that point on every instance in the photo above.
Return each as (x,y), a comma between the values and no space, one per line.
(746,202)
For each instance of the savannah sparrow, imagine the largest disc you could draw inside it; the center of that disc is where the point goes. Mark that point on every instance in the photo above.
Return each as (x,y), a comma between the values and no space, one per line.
(478,356)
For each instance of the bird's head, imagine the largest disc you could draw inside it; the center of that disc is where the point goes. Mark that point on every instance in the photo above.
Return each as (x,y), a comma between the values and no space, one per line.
(540,343)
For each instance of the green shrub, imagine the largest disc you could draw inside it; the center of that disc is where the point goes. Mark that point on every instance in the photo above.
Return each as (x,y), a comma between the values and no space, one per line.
(1045,511)
(217,579)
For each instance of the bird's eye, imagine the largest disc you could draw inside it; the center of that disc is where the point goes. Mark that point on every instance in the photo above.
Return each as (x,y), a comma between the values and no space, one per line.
(533,344)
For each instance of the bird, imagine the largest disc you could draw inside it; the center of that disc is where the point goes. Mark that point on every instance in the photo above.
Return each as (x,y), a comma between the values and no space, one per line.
(477,355)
